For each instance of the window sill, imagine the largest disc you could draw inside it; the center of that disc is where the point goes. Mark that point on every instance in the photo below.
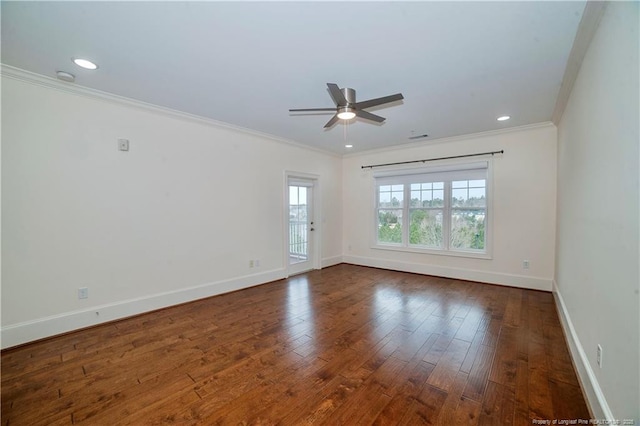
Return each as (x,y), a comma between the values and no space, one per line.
(469,254)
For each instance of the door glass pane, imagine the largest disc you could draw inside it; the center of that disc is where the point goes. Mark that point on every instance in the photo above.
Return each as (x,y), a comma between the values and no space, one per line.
(293,195)
(298,229)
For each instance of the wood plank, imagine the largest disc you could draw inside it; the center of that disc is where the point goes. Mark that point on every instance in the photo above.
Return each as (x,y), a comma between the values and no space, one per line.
(498,406)
(447,369)
(503,369)
(522,394)
(346,344)
(467,412)
(568,402)
(448,414)
(425,409)
(369,400)
(406,394)
(477,382)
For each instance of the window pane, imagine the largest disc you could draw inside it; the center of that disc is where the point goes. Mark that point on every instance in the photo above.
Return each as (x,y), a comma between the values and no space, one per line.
(468,229)
(468,193)
(384,199)
(415,186)
(427,196)
(421,198)
(425,228)
(293,195)
(396,198)
(390,226)
(416,198)
(438,197)
(438,185)
(458,197)
(477,197)
(390,195)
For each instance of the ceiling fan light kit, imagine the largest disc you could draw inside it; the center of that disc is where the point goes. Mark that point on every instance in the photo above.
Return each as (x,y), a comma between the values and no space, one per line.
(347,108)
(346,113)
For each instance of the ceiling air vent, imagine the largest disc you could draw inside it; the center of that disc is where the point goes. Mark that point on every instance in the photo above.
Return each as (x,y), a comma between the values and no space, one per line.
(418,136)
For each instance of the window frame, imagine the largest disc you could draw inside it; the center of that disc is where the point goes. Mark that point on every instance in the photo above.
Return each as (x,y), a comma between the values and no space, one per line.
(447,173)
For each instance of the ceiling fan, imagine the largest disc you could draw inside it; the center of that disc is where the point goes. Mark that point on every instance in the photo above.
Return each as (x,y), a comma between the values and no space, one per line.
(347,108)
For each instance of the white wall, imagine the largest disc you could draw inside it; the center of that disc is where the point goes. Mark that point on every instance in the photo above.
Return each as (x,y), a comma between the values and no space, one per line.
(524,182)
(176,218)
(598,195)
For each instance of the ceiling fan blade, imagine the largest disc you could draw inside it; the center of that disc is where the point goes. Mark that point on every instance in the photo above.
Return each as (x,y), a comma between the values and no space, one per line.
(379,101)
(331,122)
(336,94)
(312,109)
(368,116)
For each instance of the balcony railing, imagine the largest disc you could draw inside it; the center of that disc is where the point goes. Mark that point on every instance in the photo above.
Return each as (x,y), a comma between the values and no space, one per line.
(298,240)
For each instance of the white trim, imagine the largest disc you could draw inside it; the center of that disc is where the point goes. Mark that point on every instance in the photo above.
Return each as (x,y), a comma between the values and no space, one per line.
(436,252)
(28,331)
(331,261)
(458,170)
(450,139)
(316,261)
(511,280)
(75,89)
(588,381)
(587,28)
(440,167)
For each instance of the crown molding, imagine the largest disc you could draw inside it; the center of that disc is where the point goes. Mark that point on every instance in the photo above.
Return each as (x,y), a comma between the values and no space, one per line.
(450,139)
(75,89)
(587,28)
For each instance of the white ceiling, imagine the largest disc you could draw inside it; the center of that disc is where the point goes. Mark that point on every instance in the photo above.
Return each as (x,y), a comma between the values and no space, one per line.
(459,65)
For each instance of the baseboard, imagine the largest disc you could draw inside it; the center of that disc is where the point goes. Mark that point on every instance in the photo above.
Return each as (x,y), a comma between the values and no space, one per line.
(28,331)
(521,281)
(590,387)
(331,261)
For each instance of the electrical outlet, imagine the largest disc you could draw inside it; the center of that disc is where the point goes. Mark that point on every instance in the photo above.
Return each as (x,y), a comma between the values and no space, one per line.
(257,263)
(599,356)
(251,264)
(83,293)
(525,264)
(123,144)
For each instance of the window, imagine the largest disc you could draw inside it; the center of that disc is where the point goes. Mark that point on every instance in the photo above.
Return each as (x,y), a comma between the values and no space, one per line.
(440,209)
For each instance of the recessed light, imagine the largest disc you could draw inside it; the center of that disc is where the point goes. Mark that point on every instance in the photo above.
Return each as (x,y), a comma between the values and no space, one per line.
(348,146)
(85,63)
(504,118)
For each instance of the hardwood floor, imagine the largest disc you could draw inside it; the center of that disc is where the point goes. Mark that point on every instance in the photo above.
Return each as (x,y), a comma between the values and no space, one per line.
(344,345)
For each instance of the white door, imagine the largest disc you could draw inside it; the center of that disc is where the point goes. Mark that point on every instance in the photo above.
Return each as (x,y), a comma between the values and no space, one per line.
(301,225)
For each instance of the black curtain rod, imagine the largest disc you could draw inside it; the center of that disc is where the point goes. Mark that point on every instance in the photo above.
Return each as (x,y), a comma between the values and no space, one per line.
(433,159)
